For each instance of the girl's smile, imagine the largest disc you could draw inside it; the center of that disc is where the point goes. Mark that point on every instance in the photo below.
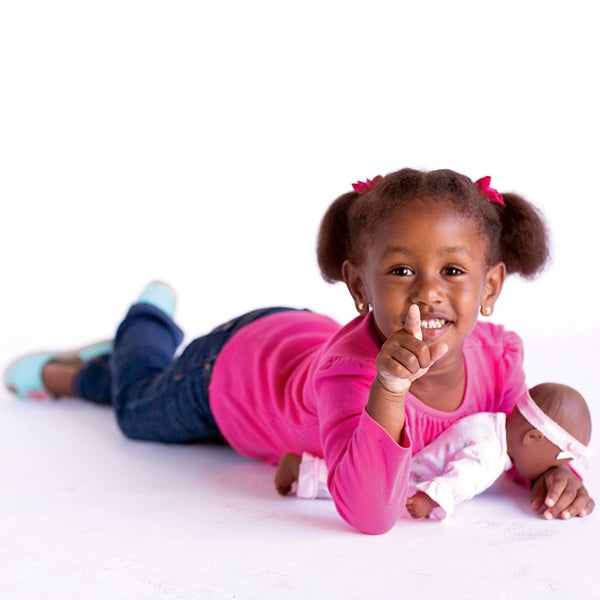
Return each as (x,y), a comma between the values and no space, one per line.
(434,328)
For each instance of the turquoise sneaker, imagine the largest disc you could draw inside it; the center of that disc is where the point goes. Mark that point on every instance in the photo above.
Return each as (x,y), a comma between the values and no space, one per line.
(23,377)
(159,294)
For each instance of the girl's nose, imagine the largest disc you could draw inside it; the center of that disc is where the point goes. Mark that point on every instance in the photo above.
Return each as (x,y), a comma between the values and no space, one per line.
(428,289)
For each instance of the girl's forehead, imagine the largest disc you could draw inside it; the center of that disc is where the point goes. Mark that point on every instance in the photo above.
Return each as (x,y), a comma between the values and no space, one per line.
(441,219)
(431,229)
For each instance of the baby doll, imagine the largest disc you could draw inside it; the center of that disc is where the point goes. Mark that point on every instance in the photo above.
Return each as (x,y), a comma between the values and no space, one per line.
(548,427)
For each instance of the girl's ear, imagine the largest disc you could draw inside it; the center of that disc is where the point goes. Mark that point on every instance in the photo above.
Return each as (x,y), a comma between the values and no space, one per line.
(494,280)
(354,282)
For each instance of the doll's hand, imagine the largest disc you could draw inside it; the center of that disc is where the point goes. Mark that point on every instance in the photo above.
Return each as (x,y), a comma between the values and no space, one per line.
(287,472)
(563,494)
(405,357)
(420,505)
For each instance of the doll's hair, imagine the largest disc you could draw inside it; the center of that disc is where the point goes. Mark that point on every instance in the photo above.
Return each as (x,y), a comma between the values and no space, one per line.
(516,233)
(565,406)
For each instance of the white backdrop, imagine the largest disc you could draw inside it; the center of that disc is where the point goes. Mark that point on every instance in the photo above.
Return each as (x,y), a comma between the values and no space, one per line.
(200,142)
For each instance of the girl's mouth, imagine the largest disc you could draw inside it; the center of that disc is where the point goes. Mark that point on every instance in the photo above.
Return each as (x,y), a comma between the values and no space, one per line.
(433,323)
(432,329)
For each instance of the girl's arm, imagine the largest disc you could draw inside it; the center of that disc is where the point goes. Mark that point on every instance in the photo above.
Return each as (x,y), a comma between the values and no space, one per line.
(367,449)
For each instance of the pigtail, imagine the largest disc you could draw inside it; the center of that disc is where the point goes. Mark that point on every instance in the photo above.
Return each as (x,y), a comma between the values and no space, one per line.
(333,240)
(524,238)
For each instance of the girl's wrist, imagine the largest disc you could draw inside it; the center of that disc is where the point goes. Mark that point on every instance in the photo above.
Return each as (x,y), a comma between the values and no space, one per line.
(394,392)
(387,408)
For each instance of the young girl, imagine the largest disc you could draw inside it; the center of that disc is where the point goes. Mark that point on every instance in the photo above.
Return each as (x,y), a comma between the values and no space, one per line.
(421,254)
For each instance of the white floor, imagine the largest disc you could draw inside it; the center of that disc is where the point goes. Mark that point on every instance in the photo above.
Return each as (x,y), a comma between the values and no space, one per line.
(201,143)
(85,513)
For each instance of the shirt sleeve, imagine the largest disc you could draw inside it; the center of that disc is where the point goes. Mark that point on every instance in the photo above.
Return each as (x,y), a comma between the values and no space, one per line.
(368,470)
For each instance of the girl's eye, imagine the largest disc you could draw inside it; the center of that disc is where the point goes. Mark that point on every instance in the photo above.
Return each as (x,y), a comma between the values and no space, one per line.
(402,271)
(453,271)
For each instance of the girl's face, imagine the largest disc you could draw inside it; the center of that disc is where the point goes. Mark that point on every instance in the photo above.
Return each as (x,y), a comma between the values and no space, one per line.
(429,256)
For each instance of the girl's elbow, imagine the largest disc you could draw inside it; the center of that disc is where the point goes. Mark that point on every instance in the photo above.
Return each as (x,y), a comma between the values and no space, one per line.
(370,523)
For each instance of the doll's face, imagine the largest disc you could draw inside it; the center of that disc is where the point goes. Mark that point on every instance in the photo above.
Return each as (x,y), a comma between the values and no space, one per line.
(531,453)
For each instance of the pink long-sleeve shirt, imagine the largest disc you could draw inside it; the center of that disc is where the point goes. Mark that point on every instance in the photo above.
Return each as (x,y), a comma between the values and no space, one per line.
(297,381)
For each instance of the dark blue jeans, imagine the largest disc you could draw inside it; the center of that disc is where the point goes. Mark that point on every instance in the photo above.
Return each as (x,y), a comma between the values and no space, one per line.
(158,397)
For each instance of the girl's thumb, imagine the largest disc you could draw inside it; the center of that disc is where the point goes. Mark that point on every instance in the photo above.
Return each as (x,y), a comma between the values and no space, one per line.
(412,323)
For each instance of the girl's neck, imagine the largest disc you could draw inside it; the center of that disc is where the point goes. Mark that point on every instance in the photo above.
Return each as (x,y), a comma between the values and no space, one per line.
(443,386)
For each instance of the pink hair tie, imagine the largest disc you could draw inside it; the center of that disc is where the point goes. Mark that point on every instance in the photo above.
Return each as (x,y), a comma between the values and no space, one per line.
(569,446)
(493,195)
(362,187)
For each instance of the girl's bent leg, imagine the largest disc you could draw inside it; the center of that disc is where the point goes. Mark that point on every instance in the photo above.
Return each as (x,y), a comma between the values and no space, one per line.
(160,399)
(154,397)
(92,381)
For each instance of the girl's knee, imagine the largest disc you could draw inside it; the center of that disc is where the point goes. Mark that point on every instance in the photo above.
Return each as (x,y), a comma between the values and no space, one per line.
(130,428)
(136,427)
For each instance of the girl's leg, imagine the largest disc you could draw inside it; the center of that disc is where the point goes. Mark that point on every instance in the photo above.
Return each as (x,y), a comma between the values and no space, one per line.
(91,379)
(42,375)
(88,380)
(156,398)
(160,399)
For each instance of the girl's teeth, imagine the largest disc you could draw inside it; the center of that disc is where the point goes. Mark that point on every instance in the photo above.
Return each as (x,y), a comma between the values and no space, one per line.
(433,324)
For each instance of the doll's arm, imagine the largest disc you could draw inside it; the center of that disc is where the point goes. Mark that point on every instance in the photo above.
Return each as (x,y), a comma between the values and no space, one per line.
(461,462)
(287,473)
(308,472)
(420,506)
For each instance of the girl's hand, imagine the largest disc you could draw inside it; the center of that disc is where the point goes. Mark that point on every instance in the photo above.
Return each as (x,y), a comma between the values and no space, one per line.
(405,357)
(563,494)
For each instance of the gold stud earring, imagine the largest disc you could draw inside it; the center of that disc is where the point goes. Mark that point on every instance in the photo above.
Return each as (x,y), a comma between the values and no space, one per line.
(486,311)
(360,306)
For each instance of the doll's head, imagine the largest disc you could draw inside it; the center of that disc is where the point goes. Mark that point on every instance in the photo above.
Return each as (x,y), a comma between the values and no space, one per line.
(549,427)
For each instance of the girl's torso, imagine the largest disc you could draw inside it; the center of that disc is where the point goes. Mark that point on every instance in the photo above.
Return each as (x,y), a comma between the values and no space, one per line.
(285,381)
